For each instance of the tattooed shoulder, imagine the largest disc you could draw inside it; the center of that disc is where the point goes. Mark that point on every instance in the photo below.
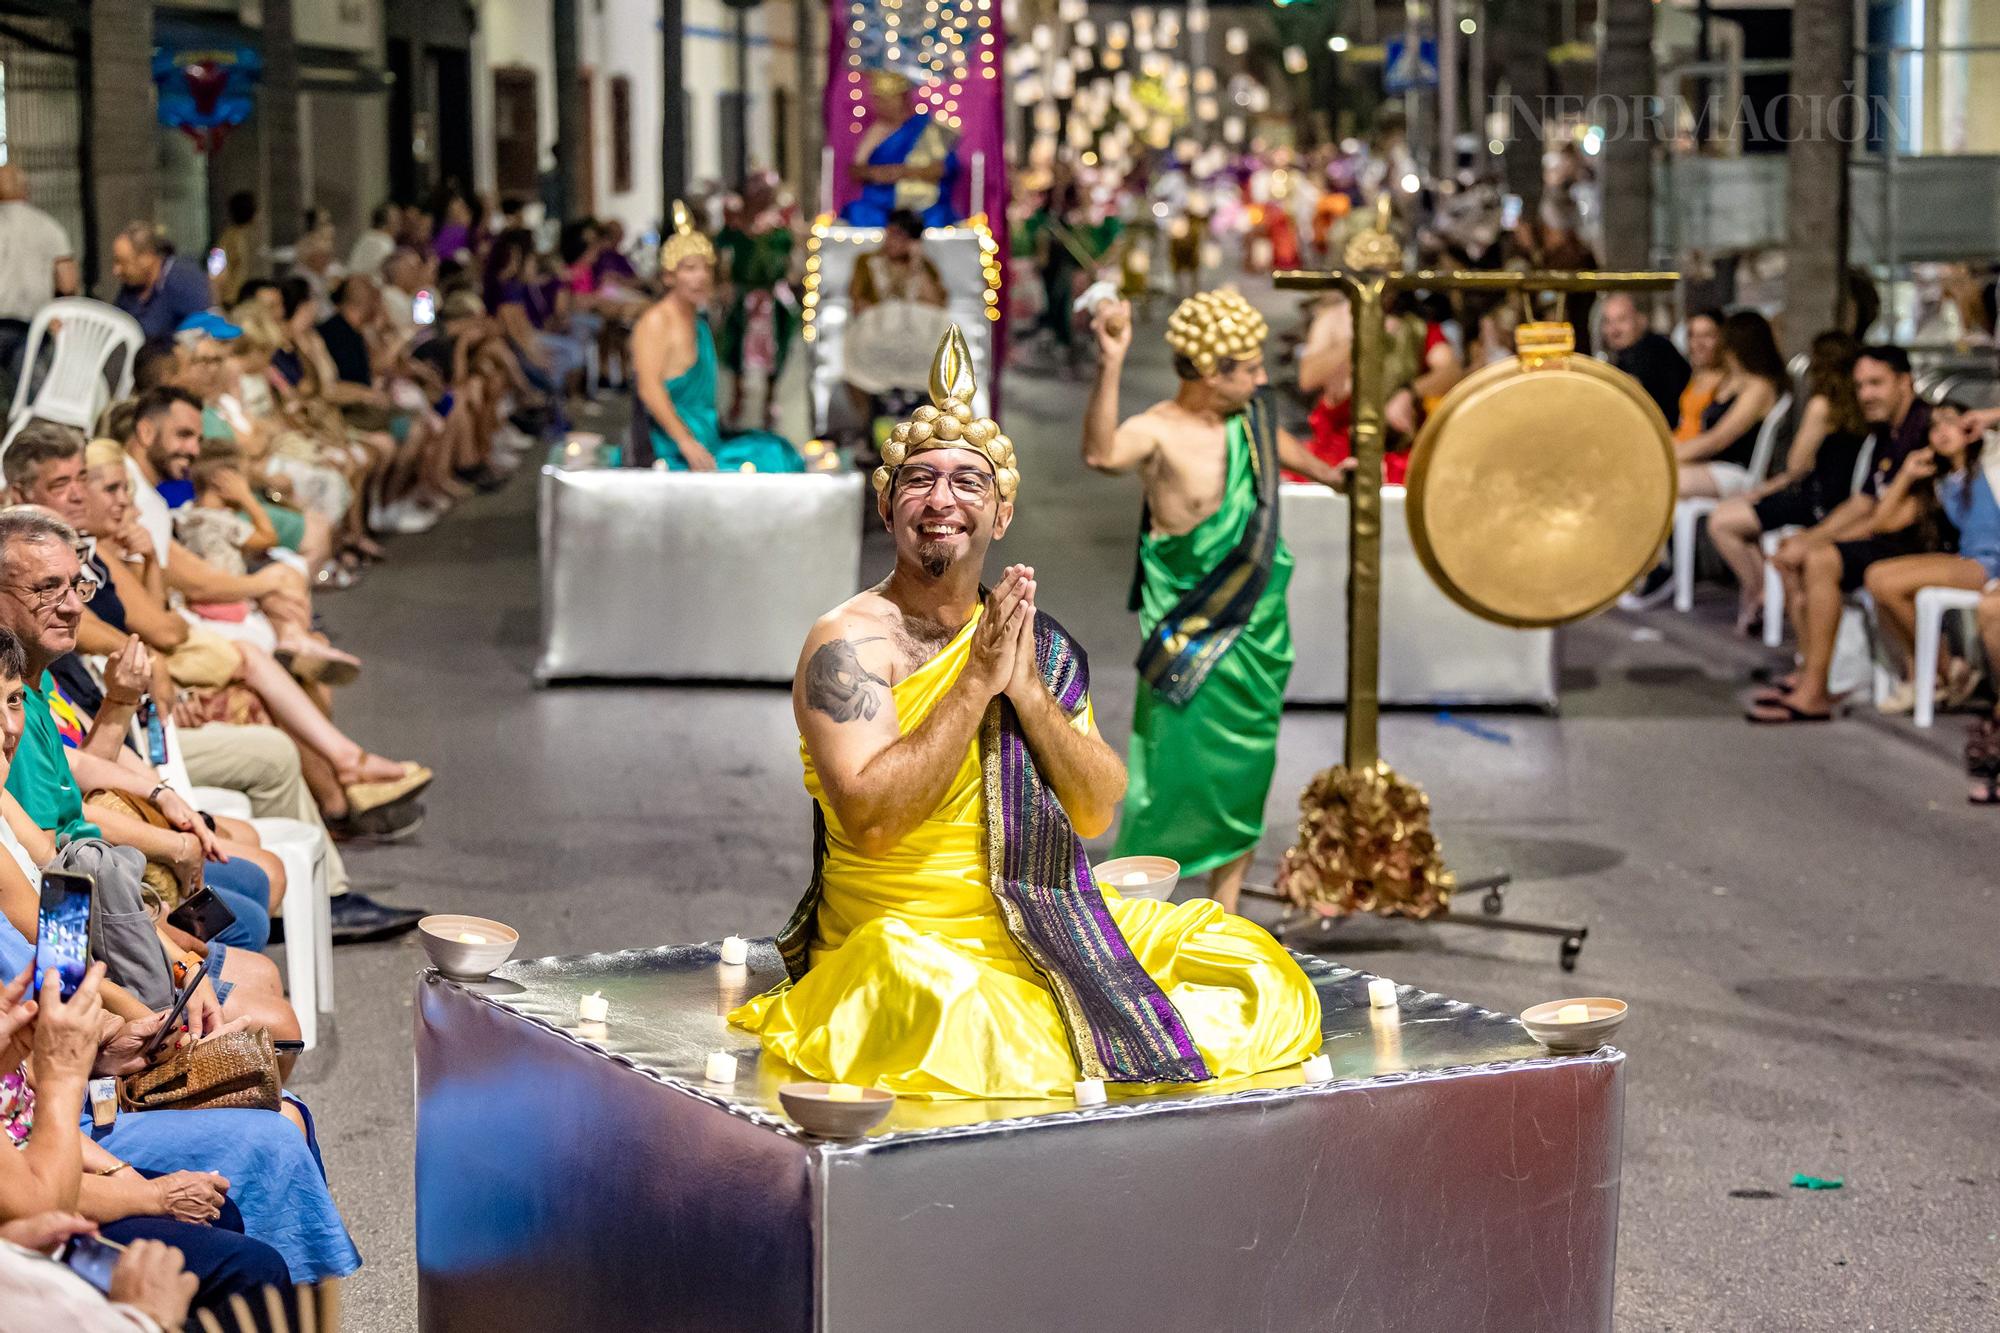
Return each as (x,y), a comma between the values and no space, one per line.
(839,686)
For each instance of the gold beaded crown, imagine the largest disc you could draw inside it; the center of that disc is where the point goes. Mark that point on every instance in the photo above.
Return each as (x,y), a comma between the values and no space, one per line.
(684,242)
(1210,327)
(947,422)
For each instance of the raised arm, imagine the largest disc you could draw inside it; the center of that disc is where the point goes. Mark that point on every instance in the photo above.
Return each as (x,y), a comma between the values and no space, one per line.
(881,783)
(1107,445)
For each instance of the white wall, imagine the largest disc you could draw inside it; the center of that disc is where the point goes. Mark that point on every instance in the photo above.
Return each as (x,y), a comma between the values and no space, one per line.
(517,32)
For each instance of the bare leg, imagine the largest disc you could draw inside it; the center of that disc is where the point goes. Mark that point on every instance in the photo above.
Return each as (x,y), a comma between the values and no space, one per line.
(1697,480)
(1824,602)
(1734,529)
(273,868)
(1225,882)
(297,714)
(1894,585)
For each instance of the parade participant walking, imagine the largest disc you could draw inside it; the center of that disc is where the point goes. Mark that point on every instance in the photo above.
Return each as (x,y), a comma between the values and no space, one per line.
(1210,588)
(953,942)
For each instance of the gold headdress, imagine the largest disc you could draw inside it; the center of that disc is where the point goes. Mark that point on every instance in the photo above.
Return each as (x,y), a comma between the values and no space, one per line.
(1216,326)
(947,422)
(890,83)
(684,242)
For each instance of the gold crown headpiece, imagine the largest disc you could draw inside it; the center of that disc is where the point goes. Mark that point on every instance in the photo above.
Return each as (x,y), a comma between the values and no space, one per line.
(947,422)
(1210,327)
(890,82)
(684,242)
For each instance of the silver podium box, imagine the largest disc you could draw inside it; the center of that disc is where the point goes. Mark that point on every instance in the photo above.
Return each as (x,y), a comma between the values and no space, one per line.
(691,576)
(1451,1176)
(1433,650)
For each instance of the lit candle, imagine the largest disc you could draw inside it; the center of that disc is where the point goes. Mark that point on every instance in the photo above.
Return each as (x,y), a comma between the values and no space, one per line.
(1089,1091)
(842,1092)
(735,950)
(721,1067)
(467,937)
(1316,1068)
(593,1008)
(1382,993)
(1134,879)
(1573,1013)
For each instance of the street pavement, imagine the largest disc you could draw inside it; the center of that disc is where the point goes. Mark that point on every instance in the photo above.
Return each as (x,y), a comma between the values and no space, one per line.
(1803,920)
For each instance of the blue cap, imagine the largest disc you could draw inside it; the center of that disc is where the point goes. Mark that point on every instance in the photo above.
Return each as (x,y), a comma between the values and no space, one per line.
(209,325)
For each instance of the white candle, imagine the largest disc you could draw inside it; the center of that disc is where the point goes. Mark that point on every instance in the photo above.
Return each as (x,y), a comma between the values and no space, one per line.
(467,937)
(593,1008)
(1134,879)
(842,1092)
(1382,993)
(1573,1013)
(735,950)
(1089,1091)
(721,1067)
(1316,1068)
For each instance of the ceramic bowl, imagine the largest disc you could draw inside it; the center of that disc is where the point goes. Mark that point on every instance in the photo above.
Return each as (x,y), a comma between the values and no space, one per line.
(1159,875)
(824,1118)
(1574,1038)
(466,959)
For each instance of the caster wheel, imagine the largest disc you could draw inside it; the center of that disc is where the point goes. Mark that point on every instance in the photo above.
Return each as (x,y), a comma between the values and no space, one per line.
(1493,903)
(1571,947)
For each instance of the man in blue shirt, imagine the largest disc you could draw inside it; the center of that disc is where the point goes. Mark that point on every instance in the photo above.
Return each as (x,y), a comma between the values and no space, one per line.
(160,289)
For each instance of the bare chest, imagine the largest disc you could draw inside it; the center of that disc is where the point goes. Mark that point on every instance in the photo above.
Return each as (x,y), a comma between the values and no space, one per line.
(1185,480)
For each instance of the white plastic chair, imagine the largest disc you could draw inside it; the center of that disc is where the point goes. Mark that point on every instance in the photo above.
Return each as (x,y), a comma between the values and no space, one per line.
(308,917)
(88,334)
(1933,605)
(1688,513)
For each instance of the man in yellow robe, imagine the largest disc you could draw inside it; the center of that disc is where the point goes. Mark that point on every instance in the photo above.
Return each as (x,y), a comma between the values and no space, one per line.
(953,942)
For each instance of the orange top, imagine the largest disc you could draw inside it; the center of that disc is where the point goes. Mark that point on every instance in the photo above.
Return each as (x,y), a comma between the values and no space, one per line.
(1694,401)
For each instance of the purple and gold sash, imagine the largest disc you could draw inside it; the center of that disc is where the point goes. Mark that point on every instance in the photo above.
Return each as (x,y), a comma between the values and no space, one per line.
(1121,1025)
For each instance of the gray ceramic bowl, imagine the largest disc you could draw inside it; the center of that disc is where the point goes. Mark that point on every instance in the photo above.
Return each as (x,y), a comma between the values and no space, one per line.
(1574,1038)
(822,1117)
(1159,876)
(466,959)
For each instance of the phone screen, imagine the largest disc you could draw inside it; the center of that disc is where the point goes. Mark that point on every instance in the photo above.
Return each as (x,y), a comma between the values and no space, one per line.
(62,939)
(1510,211)
(423,308)
(91,1259)
(217,261)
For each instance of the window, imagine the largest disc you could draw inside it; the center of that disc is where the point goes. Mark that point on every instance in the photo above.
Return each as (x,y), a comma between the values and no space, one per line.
(621,134)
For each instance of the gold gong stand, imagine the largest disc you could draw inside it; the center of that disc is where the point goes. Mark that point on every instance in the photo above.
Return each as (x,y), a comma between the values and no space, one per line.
(1383,819)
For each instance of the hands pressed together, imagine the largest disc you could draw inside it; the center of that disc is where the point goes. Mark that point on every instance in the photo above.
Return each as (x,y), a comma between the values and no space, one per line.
(1003,647)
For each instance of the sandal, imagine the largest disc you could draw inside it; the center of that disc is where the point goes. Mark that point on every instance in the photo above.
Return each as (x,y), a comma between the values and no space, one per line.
(1982,761)
(365,796)
(1785,714)
(312,664)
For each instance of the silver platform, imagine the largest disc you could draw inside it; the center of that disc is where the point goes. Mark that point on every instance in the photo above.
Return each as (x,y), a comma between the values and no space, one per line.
(683,575)
(1452,1176)
(1433,650)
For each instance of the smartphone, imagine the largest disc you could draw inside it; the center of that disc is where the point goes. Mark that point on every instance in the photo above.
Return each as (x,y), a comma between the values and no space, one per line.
(156,731)
(62,939)
(91,1258)
(159,1039)
(1510,211)
(288,1046)
(217,261)
(423,308)
(203,915)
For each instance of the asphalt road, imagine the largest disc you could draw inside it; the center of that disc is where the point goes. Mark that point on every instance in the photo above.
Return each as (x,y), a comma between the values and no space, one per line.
(1803,920)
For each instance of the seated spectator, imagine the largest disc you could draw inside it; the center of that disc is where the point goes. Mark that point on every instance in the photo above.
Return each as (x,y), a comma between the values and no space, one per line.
(315,265)
(376,244)
(615,273)
(158,288)
(1891,515)
(37,264)
(895,308)
(1818,474)
(455,239)
(239,1194)
(1963,488)
(1646,356)
(514,297)
(1704,355)
(1495,341)
(1982,744)
(1716,460)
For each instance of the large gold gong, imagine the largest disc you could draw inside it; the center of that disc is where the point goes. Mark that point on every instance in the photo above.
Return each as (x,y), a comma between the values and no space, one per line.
(1542,486)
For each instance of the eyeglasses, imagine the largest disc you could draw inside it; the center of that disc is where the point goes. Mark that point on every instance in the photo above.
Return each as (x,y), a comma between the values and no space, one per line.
(969,484)
(84,585)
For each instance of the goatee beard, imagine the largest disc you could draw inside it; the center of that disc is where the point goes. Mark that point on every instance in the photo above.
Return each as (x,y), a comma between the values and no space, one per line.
(935,557)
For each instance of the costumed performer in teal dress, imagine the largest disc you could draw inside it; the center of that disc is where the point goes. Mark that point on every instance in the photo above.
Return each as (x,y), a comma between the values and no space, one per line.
(906,159)
(673,359)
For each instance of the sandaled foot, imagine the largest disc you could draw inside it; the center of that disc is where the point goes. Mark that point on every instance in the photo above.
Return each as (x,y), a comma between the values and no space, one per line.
(373,795)
(1782,712)
(1983,791)
(316,664)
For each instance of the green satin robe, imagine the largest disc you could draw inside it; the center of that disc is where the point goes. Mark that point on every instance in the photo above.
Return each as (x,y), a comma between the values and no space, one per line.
(1200,774)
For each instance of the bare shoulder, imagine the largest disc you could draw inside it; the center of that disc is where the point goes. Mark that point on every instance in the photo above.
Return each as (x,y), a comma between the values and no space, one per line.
(848,664)
(663,321)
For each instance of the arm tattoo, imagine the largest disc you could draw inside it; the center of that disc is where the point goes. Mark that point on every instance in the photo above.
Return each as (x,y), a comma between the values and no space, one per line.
(838,685)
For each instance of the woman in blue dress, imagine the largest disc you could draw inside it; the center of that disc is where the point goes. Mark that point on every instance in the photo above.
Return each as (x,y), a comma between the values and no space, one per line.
(673,359)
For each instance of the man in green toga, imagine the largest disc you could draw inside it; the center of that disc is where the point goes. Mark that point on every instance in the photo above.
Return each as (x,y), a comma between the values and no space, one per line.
(1210,587)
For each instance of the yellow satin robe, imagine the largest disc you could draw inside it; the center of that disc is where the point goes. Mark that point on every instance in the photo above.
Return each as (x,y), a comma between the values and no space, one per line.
(916,987)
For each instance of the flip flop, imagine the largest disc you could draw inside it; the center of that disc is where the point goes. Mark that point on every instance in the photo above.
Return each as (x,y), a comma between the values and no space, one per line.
(1786,715)
(1988,795)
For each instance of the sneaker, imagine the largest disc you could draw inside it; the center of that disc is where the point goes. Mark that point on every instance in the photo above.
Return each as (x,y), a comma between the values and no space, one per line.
(359,919)
(1653,590)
